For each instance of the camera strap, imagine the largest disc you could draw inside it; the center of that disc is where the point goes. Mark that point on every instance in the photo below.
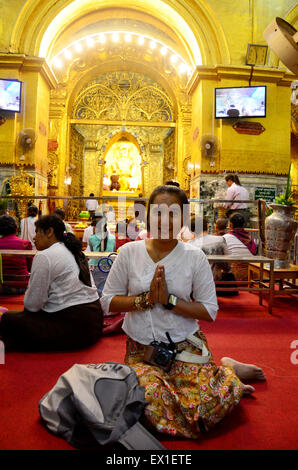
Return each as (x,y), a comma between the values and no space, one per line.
(185,356)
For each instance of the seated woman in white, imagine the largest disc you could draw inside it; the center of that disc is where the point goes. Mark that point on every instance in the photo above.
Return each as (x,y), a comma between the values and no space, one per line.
(154,281)
(61,305)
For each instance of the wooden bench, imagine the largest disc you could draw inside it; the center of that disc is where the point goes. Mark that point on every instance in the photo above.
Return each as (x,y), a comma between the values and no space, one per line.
(262,262)
(286,278)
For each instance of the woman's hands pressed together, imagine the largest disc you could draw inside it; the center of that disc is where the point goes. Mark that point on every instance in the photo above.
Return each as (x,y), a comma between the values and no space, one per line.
(158,287)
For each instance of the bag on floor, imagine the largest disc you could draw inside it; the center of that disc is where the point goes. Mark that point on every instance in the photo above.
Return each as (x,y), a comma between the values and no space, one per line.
(98,404)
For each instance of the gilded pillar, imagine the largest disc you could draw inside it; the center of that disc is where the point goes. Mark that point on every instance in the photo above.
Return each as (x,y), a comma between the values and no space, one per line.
(92,171)
(57,145)
(183,138)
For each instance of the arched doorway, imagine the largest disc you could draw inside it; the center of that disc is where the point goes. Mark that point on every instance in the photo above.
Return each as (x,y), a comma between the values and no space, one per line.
(124,122)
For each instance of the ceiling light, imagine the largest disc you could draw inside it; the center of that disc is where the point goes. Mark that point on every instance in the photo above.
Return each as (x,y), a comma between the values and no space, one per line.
(174,59)
(152,44)
(90,42)
(78,47)
(128,37)
(182,68)
(163,50)
(67,54)
(102,38)
(115,37)
(58,63)
(141,40)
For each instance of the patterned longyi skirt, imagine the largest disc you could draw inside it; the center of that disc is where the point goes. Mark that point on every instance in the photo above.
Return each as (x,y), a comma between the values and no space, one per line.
(191,398)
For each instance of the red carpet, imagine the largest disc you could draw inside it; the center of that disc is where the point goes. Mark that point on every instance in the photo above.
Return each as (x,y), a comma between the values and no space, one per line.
(243,330)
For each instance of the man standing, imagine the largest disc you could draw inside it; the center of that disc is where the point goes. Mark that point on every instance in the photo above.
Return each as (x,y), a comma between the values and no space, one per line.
(235,193)
(91,205)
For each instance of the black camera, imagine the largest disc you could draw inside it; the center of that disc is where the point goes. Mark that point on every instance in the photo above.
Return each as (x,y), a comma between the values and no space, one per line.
(161,354)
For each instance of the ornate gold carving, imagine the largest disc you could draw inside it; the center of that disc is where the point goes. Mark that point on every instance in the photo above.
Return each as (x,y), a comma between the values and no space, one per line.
(169,157)
(75,170)
(52,169)
(123,96)
(20,185)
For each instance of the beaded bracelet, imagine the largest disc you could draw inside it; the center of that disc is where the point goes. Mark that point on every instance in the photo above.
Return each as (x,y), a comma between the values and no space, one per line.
(142,301)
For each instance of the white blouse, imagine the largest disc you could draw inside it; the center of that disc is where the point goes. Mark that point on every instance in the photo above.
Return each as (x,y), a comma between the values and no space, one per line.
(187,272)
(54,282)
(235,246)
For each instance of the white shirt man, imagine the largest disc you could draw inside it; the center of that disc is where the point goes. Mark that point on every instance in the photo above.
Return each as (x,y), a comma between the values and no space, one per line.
(91,204)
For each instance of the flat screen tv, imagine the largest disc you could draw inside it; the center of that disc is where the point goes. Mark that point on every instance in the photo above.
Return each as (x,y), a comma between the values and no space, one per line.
(247,101)
(10,95)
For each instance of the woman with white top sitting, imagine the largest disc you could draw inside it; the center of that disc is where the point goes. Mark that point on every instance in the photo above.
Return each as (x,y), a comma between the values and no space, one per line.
(154,281)
(61,305)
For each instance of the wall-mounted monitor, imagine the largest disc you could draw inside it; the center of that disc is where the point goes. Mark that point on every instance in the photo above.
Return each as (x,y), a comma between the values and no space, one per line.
(10,95)
(238,102)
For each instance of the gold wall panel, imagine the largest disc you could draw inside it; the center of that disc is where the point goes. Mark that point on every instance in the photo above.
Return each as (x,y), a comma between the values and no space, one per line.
(123,96)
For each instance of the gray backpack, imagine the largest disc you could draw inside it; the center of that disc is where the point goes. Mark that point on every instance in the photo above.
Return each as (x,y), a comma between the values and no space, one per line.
(95,404)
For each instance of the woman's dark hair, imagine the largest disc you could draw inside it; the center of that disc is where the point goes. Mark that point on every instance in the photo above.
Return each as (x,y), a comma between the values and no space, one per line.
(32,211)
(237,220)
(73,244)
(172,183)
(169,189)
(233,178)
(8,225)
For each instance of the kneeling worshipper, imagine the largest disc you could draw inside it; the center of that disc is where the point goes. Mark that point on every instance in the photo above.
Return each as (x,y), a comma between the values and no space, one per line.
(61,305)
(154,281)
(15,269)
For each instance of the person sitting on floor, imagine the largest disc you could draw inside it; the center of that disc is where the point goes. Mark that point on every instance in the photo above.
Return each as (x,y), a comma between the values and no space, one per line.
(28,225)
(220,226)
(16,269)
(61,305)
(239,243)
(154,281)
(102,240)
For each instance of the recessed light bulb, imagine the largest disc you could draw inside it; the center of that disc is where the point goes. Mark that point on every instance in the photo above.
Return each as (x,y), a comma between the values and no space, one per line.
(90,42)
(78,47)
(102,38)
(67,54)
(58,63)
(182,68)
